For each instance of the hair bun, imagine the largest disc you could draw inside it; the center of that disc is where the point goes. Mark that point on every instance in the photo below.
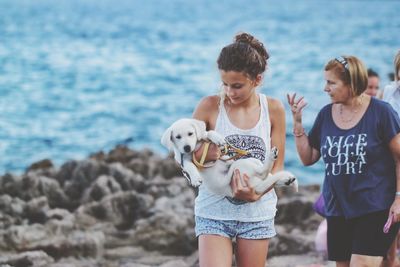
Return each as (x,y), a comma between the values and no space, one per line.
(253,42)
(246,54)
(245,38)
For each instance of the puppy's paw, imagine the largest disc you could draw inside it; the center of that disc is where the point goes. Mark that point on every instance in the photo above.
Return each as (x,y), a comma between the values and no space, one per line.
(273,155)
(196,182)
(287,179)
(290,180)
(193,180)
(216,138)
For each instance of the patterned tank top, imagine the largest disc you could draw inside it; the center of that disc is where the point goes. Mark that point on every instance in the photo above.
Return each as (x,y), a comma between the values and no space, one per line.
(257,141)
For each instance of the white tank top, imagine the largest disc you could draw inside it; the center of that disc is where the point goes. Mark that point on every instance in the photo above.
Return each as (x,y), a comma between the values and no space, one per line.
(257,141)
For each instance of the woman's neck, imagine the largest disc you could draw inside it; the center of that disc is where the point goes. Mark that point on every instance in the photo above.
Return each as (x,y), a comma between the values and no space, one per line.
(246,114)
(354,102)
(252,102)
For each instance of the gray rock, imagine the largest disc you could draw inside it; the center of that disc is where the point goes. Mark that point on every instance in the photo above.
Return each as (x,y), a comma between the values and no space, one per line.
(159,187)
(103,186)
(122,154)
(35,210)
(76,244)
(133,264)
(29,258)
(31,185)
(169,168)
(295,242)
(140,166)
(127,179)
(20,237)
(130,252)
(306,260)
(79,262)
(66,171)
(56,244)
(43,167)
(174,263)
(154,259)
(122,208)
(60,221)
(12,206)
(10,184)
(169,232)
(78,176)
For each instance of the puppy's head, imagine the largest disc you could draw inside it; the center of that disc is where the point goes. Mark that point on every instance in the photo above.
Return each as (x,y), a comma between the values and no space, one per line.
(183,135)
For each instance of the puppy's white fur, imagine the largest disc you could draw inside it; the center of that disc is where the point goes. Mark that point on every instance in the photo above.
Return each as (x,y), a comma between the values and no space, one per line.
(183,138)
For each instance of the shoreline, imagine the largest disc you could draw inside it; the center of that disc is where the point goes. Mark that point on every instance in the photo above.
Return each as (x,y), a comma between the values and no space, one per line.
(127,208)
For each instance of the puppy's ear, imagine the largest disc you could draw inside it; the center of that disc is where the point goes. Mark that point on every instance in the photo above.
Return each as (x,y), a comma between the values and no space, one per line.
(166,139)
(200,128)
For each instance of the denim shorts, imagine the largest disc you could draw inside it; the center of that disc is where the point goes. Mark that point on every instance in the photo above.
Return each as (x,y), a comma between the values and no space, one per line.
(230,228)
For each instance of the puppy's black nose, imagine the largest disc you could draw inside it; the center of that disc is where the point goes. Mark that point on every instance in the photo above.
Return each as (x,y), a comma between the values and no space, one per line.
(186,148)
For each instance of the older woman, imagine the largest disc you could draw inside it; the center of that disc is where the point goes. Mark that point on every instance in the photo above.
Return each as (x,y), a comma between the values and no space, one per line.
(358,138)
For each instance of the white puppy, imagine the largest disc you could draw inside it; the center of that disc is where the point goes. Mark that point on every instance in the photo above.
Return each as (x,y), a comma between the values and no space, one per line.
(183,138)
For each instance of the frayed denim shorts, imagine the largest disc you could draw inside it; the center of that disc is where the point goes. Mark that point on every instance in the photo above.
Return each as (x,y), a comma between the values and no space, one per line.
(230,228)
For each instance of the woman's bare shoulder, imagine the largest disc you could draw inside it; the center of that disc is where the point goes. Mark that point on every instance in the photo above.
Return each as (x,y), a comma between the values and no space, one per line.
(209,103)
(275,105)
(207,108)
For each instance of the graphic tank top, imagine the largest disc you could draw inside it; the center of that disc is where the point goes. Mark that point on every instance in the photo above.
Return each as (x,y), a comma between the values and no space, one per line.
(257,141)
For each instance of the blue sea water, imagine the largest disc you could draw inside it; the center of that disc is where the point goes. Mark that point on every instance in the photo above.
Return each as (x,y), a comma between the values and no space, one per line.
(79,76)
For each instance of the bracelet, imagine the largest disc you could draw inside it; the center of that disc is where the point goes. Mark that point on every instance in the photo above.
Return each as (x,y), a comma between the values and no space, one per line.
(397,194)
(299,134)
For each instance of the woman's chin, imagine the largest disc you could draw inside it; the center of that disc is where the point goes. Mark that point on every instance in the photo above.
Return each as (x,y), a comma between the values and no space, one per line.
(235,101)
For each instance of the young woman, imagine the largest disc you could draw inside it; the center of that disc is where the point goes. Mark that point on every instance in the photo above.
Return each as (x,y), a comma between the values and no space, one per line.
(358,138)
(253,122)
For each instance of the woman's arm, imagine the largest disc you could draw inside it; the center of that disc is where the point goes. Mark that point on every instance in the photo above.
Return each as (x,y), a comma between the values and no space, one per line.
(394,146)
(207,111)
(308,155)
(278,131)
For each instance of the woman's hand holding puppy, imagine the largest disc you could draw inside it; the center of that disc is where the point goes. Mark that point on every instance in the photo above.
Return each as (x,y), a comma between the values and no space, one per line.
(242,189)
(213,153)
(240,185)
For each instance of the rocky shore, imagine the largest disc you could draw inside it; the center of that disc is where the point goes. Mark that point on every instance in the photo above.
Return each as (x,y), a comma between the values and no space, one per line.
(126,208)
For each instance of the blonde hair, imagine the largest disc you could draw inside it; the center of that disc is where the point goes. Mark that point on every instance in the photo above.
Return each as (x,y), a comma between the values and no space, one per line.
(351,71)
(397,66)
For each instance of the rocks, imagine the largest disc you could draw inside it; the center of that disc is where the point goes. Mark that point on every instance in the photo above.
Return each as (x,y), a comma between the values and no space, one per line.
(80,176)
(122,208)
(30,258)
(103,186)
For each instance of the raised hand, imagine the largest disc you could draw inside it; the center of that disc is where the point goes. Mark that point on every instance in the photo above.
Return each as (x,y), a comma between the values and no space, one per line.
(296,106)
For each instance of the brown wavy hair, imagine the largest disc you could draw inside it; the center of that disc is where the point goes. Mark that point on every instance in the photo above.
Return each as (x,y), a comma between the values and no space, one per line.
(246,54)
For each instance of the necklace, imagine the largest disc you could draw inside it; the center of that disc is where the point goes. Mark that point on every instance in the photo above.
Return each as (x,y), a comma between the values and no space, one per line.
(353,112)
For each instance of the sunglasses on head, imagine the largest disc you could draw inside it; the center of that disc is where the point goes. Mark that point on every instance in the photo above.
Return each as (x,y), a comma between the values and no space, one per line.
(343,61)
